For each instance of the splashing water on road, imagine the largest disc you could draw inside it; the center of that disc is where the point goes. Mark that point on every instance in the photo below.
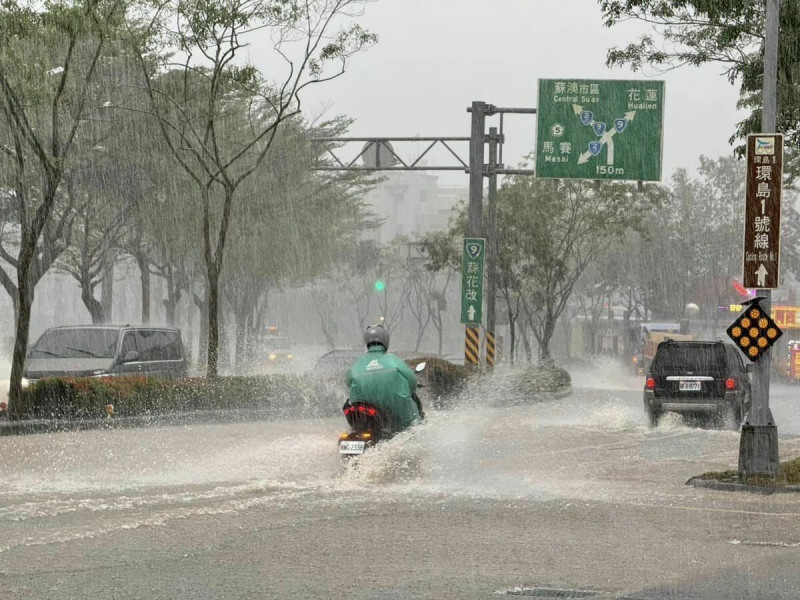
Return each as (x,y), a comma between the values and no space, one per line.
(592,445)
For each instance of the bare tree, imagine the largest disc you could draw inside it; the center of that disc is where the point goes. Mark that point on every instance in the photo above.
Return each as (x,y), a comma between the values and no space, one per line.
(48,60)
(196,102)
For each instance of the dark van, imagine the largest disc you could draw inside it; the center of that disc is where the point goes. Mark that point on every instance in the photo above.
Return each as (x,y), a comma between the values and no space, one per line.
(106,350)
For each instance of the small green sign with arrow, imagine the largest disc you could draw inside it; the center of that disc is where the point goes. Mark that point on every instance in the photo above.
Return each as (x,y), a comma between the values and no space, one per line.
(600,129)
(472,281)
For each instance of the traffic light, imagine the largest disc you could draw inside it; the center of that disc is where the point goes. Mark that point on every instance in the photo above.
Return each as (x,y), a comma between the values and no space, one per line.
(754,332)
(380,285)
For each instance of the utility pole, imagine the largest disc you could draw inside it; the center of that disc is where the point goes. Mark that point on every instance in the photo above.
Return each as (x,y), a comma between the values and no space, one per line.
(758,447)
(495,139)
(476,145)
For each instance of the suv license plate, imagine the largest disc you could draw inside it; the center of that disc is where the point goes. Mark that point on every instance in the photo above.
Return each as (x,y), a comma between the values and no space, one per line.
(346,447)
(689,386)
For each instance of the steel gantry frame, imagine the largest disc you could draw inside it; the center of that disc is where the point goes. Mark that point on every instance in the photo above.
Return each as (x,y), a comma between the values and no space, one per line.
(385,143)
(474,166)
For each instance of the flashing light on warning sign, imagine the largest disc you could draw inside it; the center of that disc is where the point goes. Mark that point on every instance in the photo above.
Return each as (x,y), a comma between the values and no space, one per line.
(754,332)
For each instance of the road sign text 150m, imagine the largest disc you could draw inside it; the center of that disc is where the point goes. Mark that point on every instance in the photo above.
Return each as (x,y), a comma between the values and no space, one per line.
(609,170)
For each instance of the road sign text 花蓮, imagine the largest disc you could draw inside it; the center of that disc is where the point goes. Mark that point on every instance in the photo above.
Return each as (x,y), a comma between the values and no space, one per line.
(762,215)
(599,129)
(472,281)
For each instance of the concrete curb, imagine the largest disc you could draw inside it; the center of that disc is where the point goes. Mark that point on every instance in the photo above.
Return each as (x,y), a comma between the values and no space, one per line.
(200,417)
(729,486)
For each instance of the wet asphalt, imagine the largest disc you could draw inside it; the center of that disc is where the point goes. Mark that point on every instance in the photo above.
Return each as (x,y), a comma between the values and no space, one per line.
(569,494)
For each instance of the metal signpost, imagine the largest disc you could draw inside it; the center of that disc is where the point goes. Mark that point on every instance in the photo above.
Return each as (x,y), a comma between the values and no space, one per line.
(600,129)
(588,129)
(762,222)
(758,445)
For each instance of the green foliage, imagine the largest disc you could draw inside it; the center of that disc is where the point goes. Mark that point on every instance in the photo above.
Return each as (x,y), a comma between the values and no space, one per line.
(725,32)
(85,398)
(442,250)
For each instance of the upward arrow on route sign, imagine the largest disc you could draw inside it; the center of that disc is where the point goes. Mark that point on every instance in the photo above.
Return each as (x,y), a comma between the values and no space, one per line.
(761,273)
(471,312)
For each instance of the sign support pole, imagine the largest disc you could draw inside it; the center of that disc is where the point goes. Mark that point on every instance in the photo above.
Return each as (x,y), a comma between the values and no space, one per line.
(491,258)
(758,446)
(475,209)
(476,148)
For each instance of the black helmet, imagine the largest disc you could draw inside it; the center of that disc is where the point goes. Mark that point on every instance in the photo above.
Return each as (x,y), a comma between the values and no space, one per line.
(376,334)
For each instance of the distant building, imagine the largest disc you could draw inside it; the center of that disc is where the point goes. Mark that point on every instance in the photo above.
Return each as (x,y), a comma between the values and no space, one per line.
(411,203)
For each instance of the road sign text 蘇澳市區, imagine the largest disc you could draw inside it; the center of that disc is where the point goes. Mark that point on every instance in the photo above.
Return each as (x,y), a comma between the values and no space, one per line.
(600,129)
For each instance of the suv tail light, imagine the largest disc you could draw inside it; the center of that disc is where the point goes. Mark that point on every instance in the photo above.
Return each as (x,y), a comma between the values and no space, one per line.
(650,384)
(730,384)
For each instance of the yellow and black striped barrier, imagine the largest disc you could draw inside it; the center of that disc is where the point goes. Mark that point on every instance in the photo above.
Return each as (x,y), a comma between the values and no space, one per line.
(490,349)
(472,346)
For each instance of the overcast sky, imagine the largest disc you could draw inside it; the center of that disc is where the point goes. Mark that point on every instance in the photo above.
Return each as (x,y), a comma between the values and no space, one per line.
(435,57)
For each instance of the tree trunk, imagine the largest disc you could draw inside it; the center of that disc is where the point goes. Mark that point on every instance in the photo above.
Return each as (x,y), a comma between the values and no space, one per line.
(526,342)
(202,347)
(214,261)
(212,306)
(23,324)
(144,273)
(107,288)
(439,332)
(545,359)
(241,340)
(420,335)
(325,323)
(512,334)
(173,295)
(92,304)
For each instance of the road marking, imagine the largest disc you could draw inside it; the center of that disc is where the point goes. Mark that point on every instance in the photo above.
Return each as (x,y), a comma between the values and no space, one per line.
(729,511)
(768,544)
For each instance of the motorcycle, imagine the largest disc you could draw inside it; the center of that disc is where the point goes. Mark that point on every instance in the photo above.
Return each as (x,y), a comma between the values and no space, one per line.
(368,426)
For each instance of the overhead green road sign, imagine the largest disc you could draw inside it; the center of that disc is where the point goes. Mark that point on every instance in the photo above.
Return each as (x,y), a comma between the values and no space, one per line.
(600,129)
(472,281)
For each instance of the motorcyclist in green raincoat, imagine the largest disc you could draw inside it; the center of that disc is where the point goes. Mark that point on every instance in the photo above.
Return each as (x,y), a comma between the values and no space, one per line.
(384,381)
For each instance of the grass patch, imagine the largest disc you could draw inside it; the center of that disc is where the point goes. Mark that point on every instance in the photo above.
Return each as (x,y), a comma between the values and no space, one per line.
(789,475)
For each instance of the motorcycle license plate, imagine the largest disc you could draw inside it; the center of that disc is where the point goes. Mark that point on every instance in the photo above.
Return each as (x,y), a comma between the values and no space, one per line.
(689,386)
(346,447)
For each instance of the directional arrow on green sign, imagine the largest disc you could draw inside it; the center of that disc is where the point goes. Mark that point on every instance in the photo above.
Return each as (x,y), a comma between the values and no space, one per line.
(600,129)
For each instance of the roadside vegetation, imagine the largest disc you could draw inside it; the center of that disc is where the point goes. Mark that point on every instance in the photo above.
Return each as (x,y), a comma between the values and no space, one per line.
(789,475)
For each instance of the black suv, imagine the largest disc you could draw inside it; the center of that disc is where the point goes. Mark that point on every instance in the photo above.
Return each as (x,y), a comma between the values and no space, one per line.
(698,378)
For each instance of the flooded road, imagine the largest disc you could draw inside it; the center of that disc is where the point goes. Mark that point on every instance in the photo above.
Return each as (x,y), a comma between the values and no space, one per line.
(576,493)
